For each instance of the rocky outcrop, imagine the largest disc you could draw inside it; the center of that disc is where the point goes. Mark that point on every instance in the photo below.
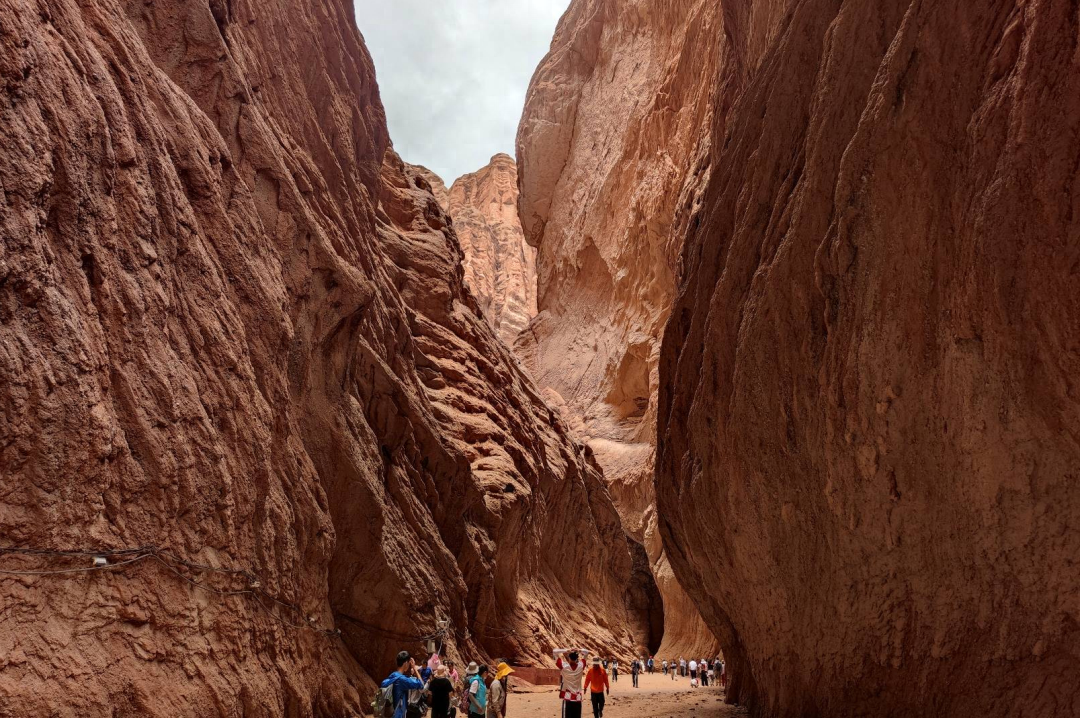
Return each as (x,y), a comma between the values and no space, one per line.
(612,147)
(868,413)
(232,335)
(435,182)
(500,268)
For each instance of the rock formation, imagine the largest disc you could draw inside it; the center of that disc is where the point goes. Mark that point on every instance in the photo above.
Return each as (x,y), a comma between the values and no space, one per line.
(869,415)
(531,497)
(612,146)
(231,334)
(500,267)
(435,182)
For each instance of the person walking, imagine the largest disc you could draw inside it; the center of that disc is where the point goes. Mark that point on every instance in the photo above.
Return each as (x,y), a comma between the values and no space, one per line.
(693,673)
(651,665)
(441,690)
(674,669)
(723,674)
(635,668)
(571,665)
(496,698)
(477,693)
(406,678)
(682,666)
(615,670)
(596,682)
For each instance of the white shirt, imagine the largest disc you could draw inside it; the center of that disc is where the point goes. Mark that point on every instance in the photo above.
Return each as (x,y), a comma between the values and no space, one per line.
(571,676)
(693,665)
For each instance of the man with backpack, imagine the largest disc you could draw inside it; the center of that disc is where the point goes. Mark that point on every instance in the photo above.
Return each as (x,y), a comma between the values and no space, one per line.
(392,700)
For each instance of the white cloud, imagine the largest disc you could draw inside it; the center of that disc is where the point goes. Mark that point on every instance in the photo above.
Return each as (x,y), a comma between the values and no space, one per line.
(453,73)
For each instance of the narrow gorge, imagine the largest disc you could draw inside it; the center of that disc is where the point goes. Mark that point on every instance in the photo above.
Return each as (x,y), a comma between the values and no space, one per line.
(765,344)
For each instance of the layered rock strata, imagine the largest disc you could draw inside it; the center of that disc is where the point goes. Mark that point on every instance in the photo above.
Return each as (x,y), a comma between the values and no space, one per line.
(232,335)
(868,409)
(500,267)
(612,147)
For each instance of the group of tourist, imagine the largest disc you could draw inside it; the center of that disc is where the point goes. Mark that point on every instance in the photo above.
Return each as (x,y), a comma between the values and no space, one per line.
(412,690)
(700,672)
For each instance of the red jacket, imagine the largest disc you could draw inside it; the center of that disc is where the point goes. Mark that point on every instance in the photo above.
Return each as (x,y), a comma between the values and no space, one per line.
(597,679)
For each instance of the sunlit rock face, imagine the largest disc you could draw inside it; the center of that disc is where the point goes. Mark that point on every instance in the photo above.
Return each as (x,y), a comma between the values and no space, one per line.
(868,416)
(233,327)
(500,267)
(612,147)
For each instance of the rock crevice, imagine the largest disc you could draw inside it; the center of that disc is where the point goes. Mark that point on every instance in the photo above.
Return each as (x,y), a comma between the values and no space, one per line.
(612,148)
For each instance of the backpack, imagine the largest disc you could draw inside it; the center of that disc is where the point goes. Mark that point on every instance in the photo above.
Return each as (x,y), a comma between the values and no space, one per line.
(416,705)
(463,703)
(383,705)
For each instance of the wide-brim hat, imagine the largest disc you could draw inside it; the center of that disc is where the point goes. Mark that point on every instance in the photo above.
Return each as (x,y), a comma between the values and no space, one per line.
(473,669)
(502,671)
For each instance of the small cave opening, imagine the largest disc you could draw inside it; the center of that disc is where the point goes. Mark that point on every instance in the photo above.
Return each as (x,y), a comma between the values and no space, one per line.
(643,600)
(630,392)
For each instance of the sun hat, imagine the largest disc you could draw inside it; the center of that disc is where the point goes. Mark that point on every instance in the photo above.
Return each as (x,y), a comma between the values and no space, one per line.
(502,671)
(596,661)
(473,669)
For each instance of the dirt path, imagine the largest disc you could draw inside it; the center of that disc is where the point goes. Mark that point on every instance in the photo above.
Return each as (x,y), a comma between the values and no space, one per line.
(657,697)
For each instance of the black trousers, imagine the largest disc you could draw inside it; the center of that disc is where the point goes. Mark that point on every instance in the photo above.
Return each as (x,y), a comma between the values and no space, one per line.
(571,709)
(598,705)
(634,676)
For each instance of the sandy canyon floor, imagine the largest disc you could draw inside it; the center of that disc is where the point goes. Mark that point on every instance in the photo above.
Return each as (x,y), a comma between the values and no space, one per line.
(657,697)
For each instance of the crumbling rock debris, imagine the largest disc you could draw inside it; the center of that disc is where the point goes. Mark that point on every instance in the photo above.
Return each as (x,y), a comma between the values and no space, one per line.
(612,149)
(233,326)
(500,267)
(868,420)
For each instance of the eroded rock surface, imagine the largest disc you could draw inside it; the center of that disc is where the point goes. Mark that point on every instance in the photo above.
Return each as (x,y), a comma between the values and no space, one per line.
(869,414)
(612,149)
(230,331)
(500,267)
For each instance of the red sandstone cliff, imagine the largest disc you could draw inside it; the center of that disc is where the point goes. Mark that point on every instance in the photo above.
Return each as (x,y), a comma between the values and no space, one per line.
(500,268)
(229,331)
(868,409)
(612,147)
(438,187)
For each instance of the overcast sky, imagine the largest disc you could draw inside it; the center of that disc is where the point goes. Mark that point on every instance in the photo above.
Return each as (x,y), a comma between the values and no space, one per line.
(453,74)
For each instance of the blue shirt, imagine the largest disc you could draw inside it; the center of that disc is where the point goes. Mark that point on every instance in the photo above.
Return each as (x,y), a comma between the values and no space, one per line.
(481,693)
(402,685)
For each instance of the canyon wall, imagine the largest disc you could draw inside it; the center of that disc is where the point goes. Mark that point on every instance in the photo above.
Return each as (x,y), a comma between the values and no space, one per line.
(869,414)
(612,147)
(235,339)
(500,267)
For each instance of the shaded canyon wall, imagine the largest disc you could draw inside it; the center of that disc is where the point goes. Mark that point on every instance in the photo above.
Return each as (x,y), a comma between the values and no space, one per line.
(612,147)
(233,334)
(869,410)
